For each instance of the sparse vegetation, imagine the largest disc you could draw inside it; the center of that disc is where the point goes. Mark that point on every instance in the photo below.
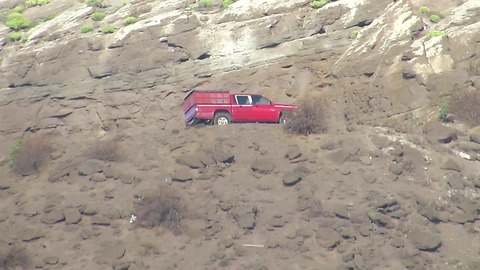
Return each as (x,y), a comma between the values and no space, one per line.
(108,29)
(424,10)
(205,3)
(435,18)
(129,20)
(163,207)
(30,155)
(443,112)
(15,36)
(96,3)
(86,28)
(435,33)
(318,3)
(354,34)
(19,9)
(309,119)
(227,3)
(14,258)
(17,21)
(98,16)
(105,150)
(465,105)
(33,3)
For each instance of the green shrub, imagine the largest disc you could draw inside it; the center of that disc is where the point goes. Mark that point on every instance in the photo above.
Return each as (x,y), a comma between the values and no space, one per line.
(205,3)
(33,3)
(108,29)
(318,3)
(354,34)
(19,9)
(14,36)
(98,16)
(309,119)
(86,28)
(443,112)
(435,33)
(14,154)
(95,3)
(17,21)
(129,20)
(227,3)
(424,9)
(435,18)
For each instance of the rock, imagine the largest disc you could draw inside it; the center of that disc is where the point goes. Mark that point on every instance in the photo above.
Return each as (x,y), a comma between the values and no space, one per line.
(121,265)
(436,132)
(129,179)
(60,171)
(277,222)
(98,177)
(89,209)
(51,260)
(223,157)
(429,212)
(5,183)
(328,238)
(366,160)
(193,161)
(385,202)
(28,235)
(293,153)
(340,210)
(474,134)
(100,220)
(182,175)
(291,178)
(247,221)
(113,251)
(72,216)
(397,242)
(263,166)
(90,166)
(455,181)
(424,240)
(396,168)
(53,217)
(381,219)
(450,164)
(461,218)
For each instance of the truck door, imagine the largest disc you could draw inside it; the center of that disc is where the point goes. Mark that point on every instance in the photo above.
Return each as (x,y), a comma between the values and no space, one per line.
(242,110)
(263,109)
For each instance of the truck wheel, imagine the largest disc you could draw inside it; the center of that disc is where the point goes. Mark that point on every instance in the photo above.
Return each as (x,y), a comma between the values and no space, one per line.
(221,119)
(283,118)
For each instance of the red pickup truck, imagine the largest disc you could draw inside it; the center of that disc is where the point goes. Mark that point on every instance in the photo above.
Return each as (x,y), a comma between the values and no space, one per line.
(222,107)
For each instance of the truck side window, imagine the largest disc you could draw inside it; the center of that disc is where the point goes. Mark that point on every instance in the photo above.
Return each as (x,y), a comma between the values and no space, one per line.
(260,100)
(243,100)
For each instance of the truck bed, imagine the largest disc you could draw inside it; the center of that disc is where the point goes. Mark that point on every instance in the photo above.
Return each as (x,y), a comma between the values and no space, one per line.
(203,97)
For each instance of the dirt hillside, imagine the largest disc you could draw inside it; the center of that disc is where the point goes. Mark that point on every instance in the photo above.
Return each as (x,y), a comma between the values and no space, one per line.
(98,171)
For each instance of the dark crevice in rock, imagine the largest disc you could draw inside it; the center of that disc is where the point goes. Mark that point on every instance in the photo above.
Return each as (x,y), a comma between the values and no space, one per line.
(364,23)
(203,56)
(320,31)
(270,45)
(173,45)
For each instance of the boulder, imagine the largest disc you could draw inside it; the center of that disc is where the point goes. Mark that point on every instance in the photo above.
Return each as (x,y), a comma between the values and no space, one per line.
(90,166)
(328,237)
(424,240)
(191,160)
(263,166)
(291,178)
(72,216)
(436,132)
(182,175)
(474,134)
(53,217)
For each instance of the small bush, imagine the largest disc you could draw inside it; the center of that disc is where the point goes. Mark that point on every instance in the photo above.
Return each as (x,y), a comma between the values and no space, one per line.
(98,16)
(465,105)
(435,18)
(424,9)
(29,156)
(205,3)
(95,3)
(86,28)
(318,3)
(435,33)
(309,119)
(19,9)
(14,258)
(14,36)
(33,3)
(108,29)
(105,150)
(443,112)
(17,21)
(129,20)
(162,207)
(227,3)
(354,34)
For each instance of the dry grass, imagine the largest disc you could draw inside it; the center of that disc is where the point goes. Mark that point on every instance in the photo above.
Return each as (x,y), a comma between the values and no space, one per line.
(163,207)
(465,105)
(105,150)
(29,156)
(310,119)
(14,258)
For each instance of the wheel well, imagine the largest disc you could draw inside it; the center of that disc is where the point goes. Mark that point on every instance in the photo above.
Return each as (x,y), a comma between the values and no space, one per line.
(221,111)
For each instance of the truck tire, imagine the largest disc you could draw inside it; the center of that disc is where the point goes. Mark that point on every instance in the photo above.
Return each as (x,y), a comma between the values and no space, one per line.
(222,119)
(283,118)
